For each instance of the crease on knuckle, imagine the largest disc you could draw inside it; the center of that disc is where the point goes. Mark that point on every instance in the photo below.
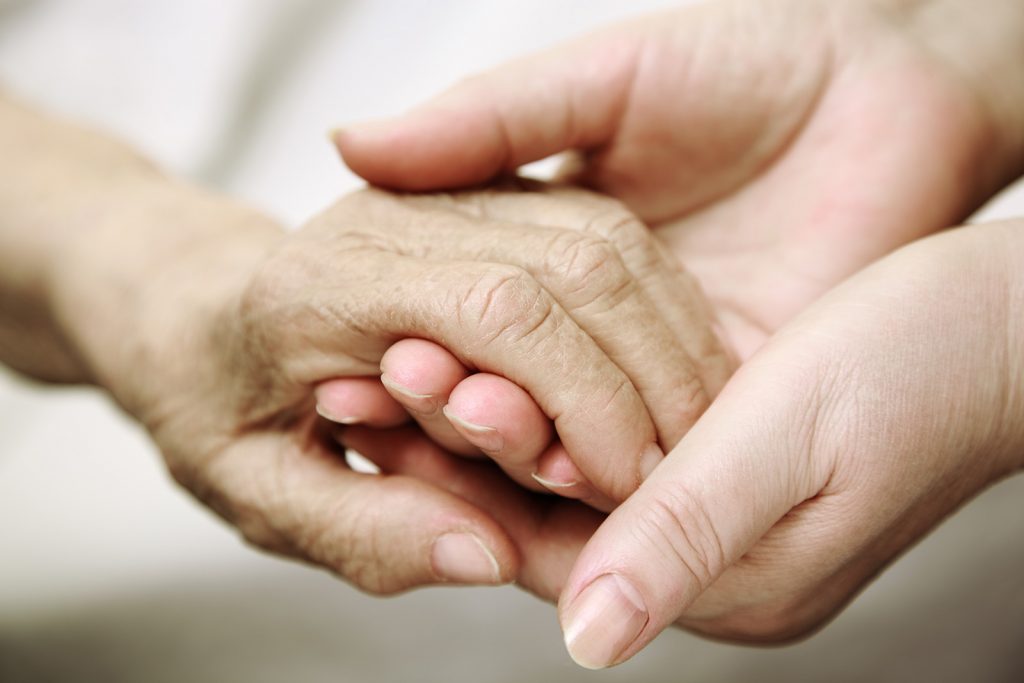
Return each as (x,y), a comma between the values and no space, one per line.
(591,269)
(694,398)
(677,522)
(631,237)
(622,387)
(507,305)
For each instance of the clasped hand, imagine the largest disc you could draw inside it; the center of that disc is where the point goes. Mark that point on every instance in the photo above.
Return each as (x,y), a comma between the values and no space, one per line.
(551,332)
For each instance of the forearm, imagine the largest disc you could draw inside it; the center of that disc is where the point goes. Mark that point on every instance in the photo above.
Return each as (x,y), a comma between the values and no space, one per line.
(1008,245)
(985,262)
(86,225)
(984,42)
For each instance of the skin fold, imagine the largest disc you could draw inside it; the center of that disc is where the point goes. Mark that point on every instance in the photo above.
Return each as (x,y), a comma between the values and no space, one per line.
(775,148)
(213,327)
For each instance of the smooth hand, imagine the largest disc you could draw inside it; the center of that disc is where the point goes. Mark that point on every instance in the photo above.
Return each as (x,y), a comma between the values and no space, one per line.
(853,432)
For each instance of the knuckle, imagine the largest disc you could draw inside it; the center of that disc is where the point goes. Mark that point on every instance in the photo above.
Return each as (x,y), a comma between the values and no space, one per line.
(631,237)
(346,539)
(677,524)
(506,303)
(591,269)
(642,253)
(621,228)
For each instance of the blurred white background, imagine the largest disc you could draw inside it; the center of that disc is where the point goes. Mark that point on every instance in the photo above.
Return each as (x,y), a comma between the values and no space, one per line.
(108,572)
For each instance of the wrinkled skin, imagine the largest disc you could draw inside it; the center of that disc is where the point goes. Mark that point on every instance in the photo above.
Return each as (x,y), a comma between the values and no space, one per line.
(234,412)
(775,148)
(831,450)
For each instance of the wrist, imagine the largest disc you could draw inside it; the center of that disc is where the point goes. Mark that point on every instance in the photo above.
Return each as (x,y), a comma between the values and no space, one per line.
(136,290)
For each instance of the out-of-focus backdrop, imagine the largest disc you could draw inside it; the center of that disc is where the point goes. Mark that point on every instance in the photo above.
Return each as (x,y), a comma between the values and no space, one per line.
(109,573)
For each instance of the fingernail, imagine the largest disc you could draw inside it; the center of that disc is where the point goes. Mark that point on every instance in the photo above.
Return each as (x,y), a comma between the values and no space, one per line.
(485,438)
(463,558)
(404,391)
(603,621)
(339,419)
(549,484)
(650,459)
(423,405)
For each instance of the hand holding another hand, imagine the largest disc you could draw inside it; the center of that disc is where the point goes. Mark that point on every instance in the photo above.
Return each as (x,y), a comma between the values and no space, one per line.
(478,274)
(777,148)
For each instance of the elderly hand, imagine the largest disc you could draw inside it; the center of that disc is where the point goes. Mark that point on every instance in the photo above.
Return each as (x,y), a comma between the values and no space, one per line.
(223,376)
(858,428)
(776,146)
(213,327)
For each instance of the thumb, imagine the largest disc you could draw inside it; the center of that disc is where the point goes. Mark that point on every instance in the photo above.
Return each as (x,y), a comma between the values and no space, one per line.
(567,98)
(736,473)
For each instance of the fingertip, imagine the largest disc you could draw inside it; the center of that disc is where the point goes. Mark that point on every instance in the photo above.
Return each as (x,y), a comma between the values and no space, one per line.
(555,469)
(421,368)
(487,439)
(490,402)
(429,148)
(557,473)
(358,400)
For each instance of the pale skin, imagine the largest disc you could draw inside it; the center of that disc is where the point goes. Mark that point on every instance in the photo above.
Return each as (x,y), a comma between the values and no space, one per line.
(846,130)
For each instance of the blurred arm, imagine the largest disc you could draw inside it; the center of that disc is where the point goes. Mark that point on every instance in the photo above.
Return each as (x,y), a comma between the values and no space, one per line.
(85,222)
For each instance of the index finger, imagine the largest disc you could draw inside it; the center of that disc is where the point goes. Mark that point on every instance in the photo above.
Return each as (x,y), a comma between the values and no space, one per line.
(493,317)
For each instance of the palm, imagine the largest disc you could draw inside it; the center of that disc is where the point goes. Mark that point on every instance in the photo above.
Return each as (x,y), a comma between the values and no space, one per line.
(776,147)
(777,160)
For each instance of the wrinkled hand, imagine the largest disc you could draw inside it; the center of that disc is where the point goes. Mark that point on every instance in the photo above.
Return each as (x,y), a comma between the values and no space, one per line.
(854,431)
(777,147)
(477,274)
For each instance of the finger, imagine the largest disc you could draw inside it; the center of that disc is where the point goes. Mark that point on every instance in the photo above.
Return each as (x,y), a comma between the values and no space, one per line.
(292,495)
(587,277)
(733,477)
(567,98)
(548,532)
(419,375)
(494,318)
(557,472)
(681,302)
(358,400)
(503,421)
